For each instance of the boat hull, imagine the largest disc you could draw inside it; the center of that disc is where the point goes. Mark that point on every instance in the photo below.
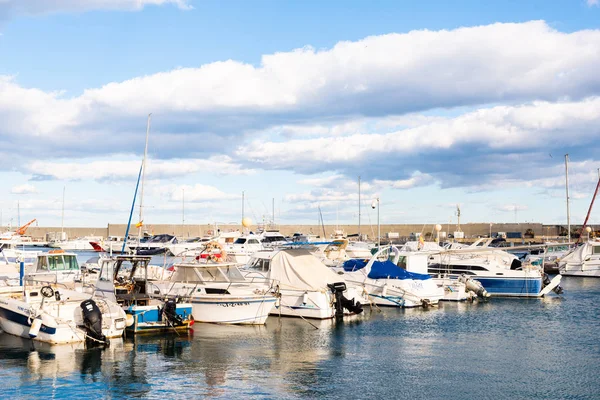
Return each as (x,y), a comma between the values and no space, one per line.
(512,287)
(62,327)
(149,319)
(246,310)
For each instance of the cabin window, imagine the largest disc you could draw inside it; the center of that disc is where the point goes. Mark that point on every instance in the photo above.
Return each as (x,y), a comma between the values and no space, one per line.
(240,241)
(596,250)
(42,264)
(56,263)
(252,241)
(71,263)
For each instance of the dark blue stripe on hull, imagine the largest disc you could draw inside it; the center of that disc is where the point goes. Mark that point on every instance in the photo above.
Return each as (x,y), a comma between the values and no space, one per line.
(511,287)
(23,320)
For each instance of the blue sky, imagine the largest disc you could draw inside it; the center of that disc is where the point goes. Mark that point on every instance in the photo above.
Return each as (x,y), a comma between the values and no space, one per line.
(433,104)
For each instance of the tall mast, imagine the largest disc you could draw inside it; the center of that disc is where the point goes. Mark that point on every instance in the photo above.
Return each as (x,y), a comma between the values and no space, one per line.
(62,218)
(359,207)
(273,211)
(242,210)
(143,178)
(567,187)
(182,210)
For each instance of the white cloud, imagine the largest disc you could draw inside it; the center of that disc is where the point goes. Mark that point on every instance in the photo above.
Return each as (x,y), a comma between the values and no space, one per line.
(32,7)
(224,102)
(117,169)
(23,189)
(512,207)
(502,128)
(592,2)
(417,179)
(198,193)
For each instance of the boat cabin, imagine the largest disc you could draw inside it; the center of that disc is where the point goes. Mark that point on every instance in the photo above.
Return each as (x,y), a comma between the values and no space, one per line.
(202,273)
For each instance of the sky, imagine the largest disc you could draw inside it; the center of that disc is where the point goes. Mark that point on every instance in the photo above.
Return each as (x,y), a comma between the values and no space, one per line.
(432,104)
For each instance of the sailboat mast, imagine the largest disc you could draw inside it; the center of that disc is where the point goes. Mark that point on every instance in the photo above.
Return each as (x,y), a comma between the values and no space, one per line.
(182,210)
(567,187)
(143,178)
(242,210)
(62,218)
(359,207)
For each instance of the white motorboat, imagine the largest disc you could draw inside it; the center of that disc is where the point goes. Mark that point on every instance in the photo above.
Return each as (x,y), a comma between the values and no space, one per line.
(79,244)
(500,273)
(56,315)
(582,261)
(390,285)
(243,248)
(156,244)
(191,244)
(305,286)
(218,293)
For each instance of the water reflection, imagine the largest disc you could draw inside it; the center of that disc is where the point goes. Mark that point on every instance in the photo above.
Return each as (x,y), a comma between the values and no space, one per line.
(524,345)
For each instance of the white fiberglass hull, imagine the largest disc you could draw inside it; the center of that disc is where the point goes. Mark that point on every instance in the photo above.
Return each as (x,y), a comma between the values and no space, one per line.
(228,309)
(313,304)
(60,323)
(584,271)
(397,292)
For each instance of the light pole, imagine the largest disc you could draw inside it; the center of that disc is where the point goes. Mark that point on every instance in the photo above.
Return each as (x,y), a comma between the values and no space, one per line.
(490,230)
(438,228)
(375,203)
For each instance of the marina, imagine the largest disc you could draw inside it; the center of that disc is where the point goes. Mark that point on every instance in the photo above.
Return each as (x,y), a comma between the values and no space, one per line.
(543,348)
(287,199)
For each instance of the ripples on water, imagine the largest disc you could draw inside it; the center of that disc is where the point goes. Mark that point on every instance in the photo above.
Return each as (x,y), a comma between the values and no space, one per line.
(505,348)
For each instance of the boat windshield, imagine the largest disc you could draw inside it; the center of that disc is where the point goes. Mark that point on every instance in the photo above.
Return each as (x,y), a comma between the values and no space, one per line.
(58,263)
(240,241)
(216,273)
(259,264)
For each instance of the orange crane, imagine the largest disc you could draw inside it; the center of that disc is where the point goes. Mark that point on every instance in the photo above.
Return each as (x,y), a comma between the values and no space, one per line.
(23,229)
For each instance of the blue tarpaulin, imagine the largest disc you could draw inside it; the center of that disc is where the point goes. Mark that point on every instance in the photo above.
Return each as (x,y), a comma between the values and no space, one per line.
(387,269)
(354,265)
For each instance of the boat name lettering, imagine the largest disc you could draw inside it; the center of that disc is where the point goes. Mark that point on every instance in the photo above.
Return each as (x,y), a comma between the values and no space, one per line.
(241,303)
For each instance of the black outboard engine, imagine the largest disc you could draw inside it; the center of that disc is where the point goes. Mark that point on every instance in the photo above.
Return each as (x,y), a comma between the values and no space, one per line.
(170,313)
(342,302)
(92,321)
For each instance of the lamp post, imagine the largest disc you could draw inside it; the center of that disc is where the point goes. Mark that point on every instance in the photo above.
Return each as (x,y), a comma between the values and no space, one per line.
(438,228)
(490,230)
(375,203)
(588,230)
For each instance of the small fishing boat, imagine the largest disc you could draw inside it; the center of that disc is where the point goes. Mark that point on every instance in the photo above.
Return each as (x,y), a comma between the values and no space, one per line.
(125,279)
(57,315)
(218,293)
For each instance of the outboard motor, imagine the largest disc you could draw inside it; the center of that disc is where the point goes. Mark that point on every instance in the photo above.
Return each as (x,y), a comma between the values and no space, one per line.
(342,302)
(558,289)
(170,313)
(474,286)
(92,321)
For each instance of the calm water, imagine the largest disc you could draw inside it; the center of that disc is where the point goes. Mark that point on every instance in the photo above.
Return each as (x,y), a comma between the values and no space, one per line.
(504,348)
